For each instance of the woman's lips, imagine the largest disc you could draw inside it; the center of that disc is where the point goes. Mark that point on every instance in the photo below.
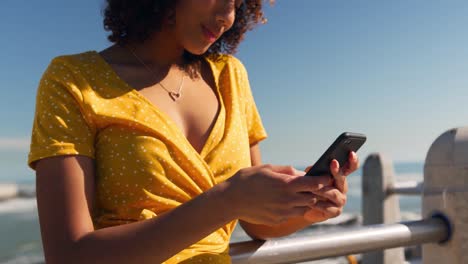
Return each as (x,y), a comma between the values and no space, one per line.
(209,35)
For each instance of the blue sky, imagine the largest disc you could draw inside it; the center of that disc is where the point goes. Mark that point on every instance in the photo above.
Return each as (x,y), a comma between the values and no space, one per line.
(394,70)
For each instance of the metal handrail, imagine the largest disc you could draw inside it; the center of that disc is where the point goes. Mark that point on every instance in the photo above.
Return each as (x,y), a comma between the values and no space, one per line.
(406,188)
(340,242)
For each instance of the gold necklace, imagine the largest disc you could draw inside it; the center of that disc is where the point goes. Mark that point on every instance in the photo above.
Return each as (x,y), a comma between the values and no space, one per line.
(174,95)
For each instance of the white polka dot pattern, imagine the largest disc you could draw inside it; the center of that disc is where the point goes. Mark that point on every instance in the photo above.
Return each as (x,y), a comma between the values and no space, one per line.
(144,165)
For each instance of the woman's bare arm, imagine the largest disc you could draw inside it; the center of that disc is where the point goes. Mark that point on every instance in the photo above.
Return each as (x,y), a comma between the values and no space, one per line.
(266,194)
(65,194)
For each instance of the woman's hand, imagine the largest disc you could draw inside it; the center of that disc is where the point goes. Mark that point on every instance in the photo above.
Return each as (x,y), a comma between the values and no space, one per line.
(270,195)
(330,200)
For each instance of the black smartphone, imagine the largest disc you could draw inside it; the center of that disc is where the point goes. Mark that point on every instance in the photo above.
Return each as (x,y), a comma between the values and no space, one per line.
(339,150)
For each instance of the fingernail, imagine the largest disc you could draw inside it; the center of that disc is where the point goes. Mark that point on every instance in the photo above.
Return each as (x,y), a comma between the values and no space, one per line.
(336,164)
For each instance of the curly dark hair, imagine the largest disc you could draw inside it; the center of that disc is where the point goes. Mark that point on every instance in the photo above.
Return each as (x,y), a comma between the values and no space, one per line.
(136,20)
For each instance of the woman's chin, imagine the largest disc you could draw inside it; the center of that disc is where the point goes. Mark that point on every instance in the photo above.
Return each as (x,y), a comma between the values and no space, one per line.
(198,50)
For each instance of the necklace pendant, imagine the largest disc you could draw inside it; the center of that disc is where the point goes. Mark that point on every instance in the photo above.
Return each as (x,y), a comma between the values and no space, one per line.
(174,96)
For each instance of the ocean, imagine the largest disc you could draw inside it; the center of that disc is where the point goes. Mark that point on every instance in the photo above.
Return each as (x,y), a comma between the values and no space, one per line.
(20,235)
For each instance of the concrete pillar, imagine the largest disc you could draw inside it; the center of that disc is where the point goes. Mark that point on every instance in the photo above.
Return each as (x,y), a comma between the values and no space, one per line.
(378,207)
(446,192)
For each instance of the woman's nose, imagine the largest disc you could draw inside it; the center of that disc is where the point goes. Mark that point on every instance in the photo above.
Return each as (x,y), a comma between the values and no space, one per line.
(225,16)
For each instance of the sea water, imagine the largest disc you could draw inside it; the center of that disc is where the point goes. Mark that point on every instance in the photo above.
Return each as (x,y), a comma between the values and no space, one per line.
(19,229)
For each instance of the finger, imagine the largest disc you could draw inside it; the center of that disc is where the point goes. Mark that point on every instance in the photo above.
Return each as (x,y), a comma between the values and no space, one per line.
(289,170)
(300,173)
(305,199)
(309,184)
(333,195)
(328,209)
(340,179)
(352,164)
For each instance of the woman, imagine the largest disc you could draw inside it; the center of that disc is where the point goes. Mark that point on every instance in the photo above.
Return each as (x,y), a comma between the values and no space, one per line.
(147,152)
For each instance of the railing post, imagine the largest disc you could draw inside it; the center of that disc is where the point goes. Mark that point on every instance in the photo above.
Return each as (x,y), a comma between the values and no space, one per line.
(378,207)
(445,191)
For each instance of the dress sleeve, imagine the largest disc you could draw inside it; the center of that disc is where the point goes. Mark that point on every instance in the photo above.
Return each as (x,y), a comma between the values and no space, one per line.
(254,123)
(60,127)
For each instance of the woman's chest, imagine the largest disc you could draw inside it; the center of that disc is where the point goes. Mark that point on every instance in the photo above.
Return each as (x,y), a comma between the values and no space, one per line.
(194,111)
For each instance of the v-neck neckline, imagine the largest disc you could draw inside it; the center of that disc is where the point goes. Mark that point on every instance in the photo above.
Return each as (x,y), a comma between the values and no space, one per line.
(220,115)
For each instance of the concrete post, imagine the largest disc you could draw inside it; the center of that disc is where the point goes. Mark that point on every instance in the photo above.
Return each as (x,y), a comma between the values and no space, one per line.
(446,191)
(378,207)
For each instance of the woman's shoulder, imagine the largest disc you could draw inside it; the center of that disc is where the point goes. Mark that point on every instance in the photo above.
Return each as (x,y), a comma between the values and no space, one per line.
(75,62)
(75,72)
(223,61)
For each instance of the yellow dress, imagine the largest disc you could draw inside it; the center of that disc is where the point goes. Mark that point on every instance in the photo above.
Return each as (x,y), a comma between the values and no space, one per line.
(144,164)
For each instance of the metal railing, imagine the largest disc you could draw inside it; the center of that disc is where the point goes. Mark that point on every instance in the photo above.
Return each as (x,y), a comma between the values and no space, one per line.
(444,193)
(406,188)
(339,243)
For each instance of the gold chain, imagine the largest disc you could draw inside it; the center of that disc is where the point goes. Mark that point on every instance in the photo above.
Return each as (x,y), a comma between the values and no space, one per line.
(174,95)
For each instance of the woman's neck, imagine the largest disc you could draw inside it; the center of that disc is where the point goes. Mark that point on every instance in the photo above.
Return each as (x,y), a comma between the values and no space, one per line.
(160,50)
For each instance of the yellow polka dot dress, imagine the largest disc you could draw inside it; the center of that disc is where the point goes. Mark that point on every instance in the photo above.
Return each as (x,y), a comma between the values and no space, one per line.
(144,164)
